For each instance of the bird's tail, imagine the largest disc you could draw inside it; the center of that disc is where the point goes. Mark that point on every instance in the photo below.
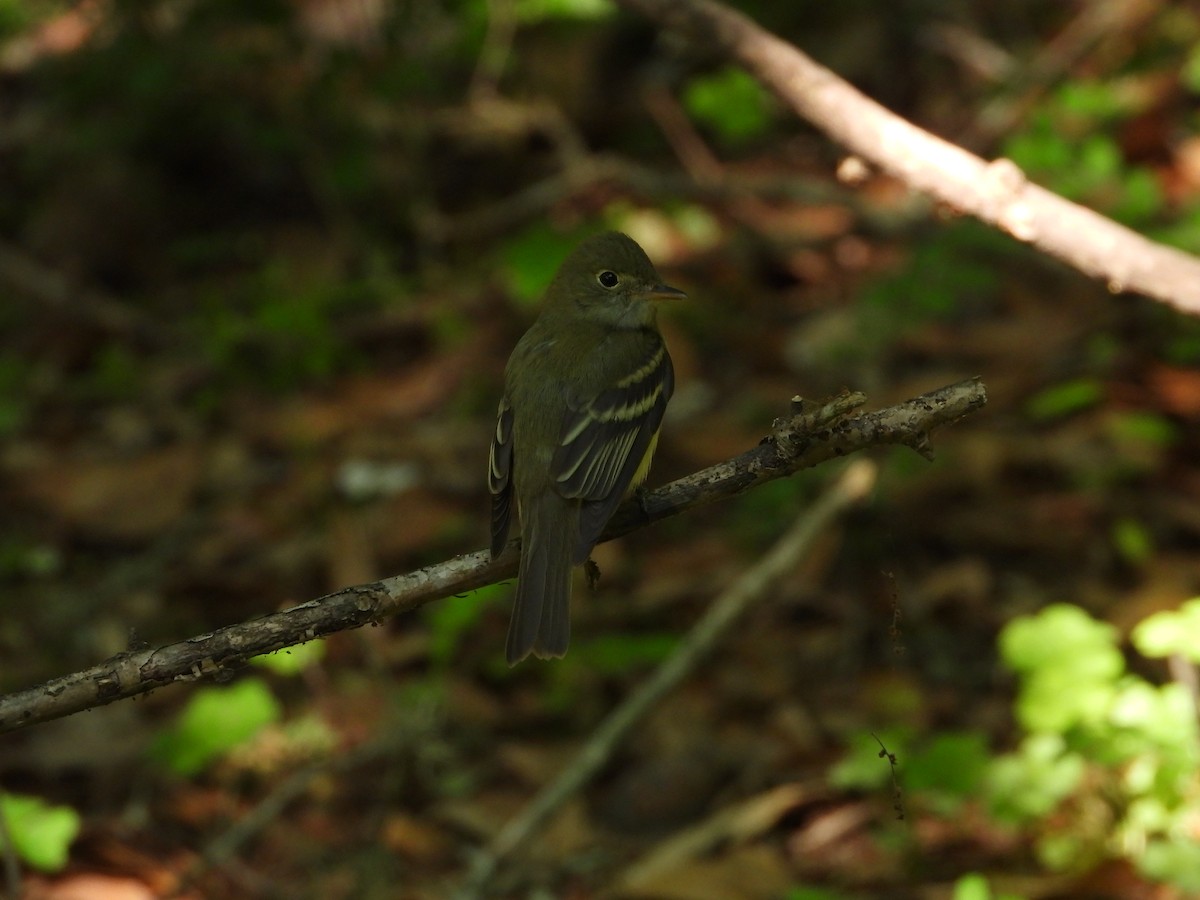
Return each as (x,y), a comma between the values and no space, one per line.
(541,622)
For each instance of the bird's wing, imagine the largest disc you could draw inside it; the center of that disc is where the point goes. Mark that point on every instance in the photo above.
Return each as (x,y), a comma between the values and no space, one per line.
(500,476)
(606,438)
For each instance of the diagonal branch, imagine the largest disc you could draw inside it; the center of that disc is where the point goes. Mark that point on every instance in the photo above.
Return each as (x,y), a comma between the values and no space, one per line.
(731,605)
(811,435)
(997,193)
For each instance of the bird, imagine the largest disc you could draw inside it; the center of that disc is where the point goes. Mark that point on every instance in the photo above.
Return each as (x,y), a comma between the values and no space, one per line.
(585,390)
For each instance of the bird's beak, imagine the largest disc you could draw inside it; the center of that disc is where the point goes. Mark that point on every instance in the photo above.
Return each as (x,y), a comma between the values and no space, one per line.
(661,292)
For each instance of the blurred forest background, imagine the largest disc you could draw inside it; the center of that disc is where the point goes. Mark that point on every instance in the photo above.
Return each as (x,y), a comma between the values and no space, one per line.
(261,265)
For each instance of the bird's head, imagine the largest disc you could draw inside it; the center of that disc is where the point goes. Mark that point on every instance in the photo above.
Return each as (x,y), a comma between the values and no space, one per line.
(610,280)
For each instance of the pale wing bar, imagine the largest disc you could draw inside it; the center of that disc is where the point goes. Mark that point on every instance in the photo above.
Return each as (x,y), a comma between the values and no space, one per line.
(500,477)
(605,441)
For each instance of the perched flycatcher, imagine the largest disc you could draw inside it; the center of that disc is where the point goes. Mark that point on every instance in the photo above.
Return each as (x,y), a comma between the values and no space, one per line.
(584,395)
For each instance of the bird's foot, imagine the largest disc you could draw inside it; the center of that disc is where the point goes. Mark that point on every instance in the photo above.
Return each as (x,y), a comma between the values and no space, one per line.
(592,572)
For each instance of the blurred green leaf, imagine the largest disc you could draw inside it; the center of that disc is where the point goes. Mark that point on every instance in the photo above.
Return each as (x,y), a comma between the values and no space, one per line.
(291,660)
(952,764)
(1175,631)
(975,887)
(41,833)
(14,393)
(947,276)
(618,654)
(1190,74)
(1063,850)
(1032,782)
(863,767)
(215,720)
(1038,151)
(972,887)
(532,11)
(1092,100)
(1174,860)
(116,372)
(1141,197)
(1062,636)
(1145,428)
(1070,144)
(19,558)
(531,258)
(450,620)
(1069,665)
(731,102)
(1157,717)
(1132,541)
(1065,399)
(815,893)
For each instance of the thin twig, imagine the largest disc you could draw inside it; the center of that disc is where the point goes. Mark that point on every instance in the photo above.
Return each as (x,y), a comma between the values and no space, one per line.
(853,485)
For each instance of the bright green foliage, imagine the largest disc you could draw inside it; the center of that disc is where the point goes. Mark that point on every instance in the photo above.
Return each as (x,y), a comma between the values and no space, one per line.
(291,660)
(975,887)
(41,833)
(1069,664)
(1067,148)
(1109,767)
(1032,782)
(216,720)
(1191,71)
(1065,398)
(1109,764)
(1175,861)
(1167,633)
(530,11)
(731,102)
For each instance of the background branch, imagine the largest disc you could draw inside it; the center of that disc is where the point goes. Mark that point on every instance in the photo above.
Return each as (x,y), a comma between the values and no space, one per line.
(811,435)
(997,192)
(751,587)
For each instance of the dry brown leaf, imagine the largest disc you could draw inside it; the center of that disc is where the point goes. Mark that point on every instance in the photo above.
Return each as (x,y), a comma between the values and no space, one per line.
(350,554)
(361,401)
(739,823)
(91,886)
(1175,389)
(837,842)
(128,499)
(416,839)
(744,873)
(410,522)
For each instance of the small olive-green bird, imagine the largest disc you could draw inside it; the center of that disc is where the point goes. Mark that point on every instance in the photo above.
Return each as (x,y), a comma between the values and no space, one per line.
(584,395)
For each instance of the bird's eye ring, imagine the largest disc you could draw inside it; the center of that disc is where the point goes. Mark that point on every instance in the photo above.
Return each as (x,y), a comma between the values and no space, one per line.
(608,279)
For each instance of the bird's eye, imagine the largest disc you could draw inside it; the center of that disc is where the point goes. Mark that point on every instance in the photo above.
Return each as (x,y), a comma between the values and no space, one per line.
(608,279)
